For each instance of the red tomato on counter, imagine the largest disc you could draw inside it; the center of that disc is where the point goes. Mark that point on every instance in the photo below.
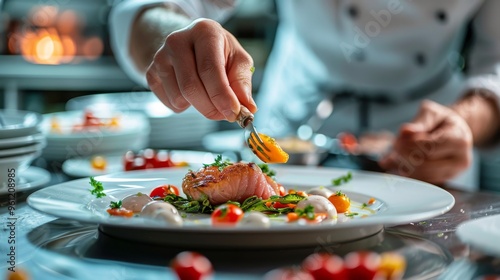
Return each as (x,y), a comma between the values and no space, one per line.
(362,265)
(325,266)
(191,266)
(163,191)
(227,214)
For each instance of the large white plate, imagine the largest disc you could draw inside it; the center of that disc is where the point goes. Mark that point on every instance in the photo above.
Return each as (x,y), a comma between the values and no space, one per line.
(482,234)
(399,201)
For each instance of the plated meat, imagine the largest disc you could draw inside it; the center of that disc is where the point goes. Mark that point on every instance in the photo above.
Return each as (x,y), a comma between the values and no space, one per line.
(235,182)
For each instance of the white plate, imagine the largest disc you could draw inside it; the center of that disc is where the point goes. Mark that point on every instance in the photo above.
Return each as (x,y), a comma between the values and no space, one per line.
(21,141)
(19,123)
(81,167)
(22,150)
(482,234)
(399,201)
(31,179)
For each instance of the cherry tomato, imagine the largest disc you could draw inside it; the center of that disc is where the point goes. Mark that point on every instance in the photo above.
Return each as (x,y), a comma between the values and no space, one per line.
(98,162)
(362,264)
(120,212)
(227,214)
(340,201)
(164,190)
(128,161)
(149,158)
(191,266)
(139,163)
(288,273)
(325,266)
(19,274)
(392,265)
(163,160)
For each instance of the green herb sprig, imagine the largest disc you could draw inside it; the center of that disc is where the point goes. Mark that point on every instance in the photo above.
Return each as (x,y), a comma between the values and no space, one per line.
(266,170)
(115,205)
(307,212)
(342,179)
(219,163)
(97,188)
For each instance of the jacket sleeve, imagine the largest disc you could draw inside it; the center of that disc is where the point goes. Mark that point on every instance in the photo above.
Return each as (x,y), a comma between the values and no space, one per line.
(124,12)
(483,75)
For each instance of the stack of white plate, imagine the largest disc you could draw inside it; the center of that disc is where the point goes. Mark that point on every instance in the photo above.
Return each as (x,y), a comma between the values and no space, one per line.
(63,142)
(168,129)
(21,141)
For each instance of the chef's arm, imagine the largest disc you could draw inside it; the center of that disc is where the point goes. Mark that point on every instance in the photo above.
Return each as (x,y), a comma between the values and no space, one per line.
(149,30)
(481,102)
(139,28)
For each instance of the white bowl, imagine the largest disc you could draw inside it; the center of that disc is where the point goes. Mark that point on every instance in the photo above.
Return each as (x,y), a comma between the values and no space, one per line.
(16,123)
(131,133)
(11,167)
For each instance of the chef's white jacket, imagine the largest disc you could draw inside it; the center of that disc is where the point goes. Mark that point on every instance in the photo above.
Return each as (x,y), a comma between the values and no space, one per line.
(393,53)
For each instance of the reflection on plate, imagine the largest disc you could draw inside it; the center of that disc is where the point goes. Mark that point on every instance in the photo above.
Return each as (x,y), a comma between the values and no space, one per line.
(482,234)
(81,167)
(402,201)
(31,179)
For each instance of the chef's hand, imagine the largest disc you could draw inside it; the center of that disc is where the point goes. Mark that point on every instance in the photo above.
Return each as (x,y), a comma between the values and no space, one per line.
(434,147)
(203,65)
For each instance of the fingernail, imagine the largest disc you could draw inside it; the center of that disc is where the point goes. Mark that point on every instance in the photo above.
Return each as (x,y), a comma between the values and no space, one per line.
(229,114)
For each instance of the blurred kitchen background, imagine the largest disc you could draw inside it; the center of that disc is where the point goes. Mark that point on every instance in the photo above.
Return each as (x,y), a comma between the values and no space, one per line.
(55,56)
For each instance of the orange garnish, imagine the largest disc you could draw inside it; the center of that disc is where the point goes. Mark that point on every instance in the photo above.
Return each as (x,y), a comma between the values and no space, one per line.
(275,153)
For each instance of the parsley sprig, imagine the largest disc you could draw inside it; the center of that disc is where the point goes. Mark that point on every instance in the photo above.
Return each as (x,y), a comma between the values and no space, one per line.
(342,179)
(307,212)
(97,188)
(266,170)
(219,163)
(115,205)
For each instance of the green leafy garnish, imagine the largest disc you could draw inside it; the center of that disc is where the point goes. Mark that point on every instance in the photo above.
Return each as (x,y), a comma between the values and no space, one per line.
(307,212)
(266,170)
(219,163)
(97,188)
(114,204)
(342,179)
(351,215)
(364,205)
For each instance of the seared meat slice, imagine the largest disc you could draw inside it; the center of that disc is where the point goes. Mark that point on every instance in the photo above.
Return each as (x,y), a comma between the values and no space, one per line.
(235,182)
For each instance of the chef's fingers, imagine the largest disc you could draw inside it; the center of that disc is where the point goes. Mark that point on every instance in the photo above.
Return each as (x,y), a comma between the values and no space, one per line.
(239,72)
(173,93)
(156,86)
(212,50)
(429,116)
(436,171)
(181,52)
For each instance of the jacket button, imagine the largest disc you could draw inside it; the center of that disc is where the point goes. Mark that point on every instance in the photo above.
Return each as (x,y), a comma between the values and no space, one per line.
(420,59)
(353,11)
(441,16)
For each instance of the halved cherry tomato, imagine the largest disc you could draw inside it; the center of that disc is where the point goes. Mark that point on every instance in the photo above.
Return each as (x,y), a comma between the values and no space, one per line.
(191,266)
(128,161)
(340,201)
(362,264)
(120,212)
(227,214)
(325,266)
(163,160)
(164,190)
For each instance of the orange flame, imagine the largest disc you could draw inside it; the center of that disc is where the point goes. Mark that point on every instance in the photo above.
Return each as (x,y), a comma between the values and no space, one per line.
(53,38)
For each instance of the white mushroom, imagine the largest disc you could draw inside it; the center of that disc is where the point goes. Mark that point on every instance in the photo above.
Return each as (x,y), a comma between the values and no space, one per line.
(323,191)
(161,210)
(255,219)
(135,202)
(320,204)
